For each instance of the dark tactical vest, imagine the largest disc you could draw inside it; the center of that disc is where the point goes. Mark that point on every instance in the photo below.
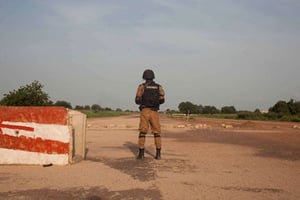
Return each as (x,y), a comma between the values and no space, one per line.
(150,97)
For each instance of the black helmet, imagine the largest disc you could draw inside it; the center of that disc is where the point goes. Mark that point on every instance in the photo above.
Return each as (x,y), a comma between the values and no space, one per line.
(148,74)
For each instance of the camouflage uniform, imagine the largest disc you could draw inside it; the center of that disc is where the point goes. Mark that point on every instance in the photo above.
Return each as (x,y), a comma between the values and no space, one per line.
(149,117)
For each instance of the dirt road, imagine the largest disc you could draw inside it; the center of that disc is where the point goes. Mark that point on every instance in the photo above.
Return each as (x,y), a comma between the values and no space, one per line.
(201,159)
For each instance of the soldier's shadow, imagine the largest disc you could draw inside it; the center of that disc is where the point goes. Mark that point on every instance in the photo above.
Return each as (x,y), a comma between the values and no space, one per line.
(135,150)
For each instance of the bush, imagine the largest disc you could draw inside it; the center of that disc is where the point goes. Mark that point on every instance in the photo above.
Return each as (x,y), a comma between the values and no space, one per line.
(28,95)
(103,113)
(272,116)
(250,115)
(290,118)
(64,104)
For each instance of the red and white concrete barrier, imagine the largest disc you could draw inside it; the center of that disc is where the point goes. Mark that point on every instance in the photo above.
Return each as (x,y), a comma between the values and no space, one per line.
(34,135)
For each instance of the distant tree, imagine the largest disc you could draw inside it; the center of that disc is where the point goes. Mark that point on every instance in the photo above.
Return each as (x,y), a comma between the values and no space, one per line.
(185,107)
(210,110)
(77,107)
(28,95)
(228,110)
(87,107)
(199,109)
(96,107)
(188,108)
(119,110)
(281,107)
(64,104)
(257,110)
(292,107)
(297,105)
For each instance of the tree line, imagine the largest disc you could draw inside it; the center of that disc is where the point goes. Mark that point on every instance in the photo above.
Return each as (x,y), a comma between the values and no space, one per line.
(33,95)
(282,110)
(190,108)
(291,107)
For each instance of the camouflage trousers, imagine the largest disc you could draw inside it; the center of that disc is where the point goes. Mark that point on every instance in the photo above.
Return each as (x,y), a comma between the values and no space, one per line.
(149,119)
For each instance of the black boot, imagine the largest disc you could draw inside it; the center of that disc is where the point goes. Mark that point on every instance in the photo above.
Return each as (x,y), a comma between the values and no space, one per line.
(157,157)
(141,154)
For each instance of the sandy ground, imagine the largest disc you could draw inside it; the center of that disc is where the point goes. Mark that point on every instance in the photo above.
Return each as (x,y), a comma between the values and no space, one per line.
(201,159)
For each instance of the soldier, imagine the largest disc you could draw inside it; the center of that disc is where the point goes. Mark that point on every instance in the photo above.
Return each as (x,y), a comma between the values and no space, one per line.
(149,96)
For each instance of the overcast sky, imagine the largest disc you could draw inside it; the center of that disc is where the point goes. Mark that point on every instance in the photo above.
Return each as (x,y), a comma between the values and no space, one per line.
(244,53)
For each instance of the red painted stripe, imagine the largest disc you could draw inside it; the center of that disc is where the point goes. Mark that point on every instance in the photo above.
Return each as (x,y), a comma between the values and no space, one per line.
(38,145)
(24,128)
(44,115)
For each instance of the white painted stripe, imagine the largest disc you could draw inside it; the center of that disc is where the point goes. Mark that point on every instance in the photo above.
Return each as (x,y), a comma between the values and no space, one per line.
(9,156)
(45,131)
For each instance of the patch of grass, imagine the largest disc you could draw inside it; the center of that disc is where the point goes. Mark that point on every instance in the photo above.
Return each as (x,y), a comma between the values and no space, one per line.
(290,118)
(243,115)
(215,116)
(220,116)
(104,113)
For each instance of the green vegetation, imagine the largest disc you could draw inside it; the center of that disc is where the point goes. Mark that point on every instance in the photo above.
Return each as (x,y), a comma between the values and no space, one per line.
(281,111)
(190,108)
(33,95)
(220,116)
(91,113)
(63,104)
(28,95)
